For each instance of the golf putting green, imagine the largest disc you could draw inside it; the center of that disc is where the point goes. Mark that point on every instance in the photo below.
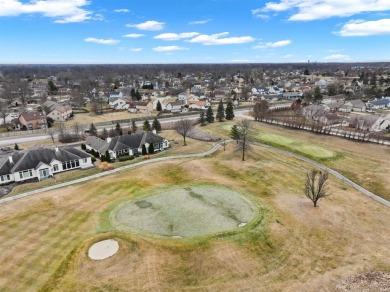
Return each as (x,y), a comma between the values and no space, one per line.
(184,212)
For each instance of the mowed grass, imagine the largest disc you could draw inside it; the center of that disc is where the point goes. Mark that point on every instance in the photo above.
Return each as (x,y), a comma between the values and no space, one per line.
(365,163)
(289,246)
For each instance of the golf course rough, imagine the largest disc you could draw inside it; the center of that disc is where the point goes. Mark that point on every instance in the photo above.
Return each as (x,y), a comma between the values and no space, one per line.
(184,212)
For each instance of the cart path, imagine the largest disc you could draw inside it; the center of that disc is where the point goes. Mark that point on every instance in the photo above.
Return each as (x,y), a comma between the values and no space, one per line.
(201,154)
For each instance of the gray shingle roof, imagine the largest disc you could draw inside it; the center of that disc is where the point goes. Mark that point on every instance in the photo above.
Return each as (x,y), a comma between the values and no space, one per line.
(32,158)
(133,141)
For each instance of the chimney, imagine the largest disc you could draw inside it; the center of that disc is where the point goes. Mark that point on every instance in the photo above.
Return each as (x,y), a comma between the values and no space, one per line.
(154,131)
(108,139)
(10,159)
(56,148)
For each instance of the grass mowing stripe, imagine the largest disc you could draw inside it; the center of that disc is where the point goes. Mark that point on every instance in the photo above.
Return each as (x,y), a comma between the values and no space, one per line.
(53,241)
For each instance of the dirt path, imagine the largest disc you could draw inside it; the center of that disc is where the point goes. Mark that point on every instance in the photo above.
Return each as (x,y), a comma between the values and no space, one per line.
(201,154)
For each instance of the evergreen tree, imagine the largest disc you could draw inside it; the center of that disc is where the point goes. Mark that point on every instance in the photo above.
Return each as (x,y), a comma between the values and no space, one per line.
(132,93)
(158,106)
(133,127)
(103,158)
(144,152)
(234,133)
(92,130)
(146,126)
(108,158)
(151,148)
(317,98)
(138,95)
(156,125)
(16,147)
(104,134)
(118,129)
(220,112)
(210,115)
(202,118)
(229,111)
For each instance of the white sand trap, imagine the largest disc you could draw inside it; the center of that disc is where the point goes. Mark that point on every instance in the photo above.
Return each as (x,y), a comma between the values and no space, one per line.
(103,249)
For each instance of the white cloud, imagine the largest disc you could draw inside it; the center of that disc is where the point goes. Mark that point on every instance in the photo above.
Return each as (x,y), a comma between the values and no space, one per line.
(136,49)
(277,44)
(122,10)
(321,9)
(63,11)
(200,21)
(216,39)
(259,13)
(148,25)
(169,49)
(337,57)
(175,36)
(365,28)
(102,41)
(133,35)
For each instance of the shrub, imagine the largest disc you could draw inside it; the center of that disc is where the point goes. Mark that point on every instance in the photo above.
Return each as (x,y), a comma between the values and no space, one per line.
(126,158)
(93,159)
(104,166)
(83,146)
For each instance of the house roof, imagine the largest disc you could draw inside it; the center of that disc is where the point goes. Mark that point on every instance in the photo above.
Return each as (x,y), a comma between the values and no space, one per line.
(34,115)
(133,141)
(38,155)
(382,101)
(50,105)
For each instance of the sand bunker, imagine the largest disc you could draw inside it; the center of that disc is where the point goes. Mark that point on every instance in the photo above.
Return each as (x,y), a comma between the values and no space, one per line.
(185,212)
(103,249)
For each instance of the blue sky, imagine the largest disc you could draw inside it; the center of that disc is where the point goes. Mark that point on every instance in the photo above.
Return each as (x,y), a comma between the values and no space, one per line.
(188,31)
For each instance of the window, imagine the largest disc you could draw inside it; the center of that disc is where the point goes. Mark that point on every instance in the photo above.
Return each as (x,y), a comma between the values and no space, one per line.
(25,174)
(55,167)
(85,160)
(2,178)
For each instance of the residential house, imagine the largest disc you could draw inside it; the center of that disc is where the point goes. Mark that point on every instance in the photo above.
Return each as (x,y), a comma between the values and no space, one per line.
(175,106)
(127,144)
(275,90)
(145,107)
(258,90)
(56,111)
(381,124)
(9,118)
(41,162)
(118,103)
(357,105)
(198,105)
(379,103)
(32,120)
(292,95)
(182,96)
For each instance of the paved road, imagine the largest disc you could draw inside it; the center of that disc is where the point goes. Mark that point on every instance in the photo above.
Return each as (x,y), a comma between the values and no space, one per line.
(201,154)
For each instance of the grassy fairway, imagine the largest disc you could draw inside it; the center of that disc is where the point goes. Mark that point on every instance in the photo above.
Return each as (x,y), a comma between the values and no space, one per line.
(288,246)
(365,163)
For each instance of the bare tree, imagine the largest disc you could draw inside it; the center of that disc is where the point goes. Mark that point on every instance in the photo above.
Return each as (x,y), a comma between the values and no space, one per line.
(260,110)
(183,127)
(3,111)
(246,136)
(77,131)
(8,93)
(51,132)
(315,188)
(24,92)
